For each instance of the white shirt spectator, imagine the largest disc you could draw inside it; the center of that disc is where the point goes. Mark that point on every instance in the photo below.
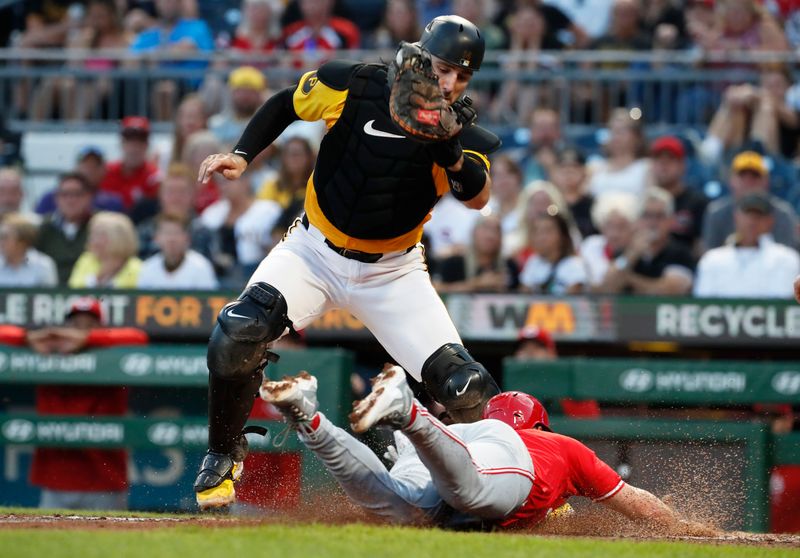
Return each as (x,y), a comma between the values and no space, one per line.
(633,179)
(592,15)
(450,227)
(749,272)
(568,272)
(36,270)
(253,230)
(194,273)
(596,258)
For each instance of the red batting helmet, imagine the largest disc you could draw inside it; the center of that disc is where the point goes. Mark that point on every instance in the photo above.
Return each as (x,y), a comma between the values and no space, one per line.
(518,410)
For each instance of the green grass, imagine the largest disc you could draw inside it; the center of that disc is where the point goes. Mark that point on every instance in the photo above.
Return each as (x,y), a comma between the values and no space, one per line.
(339,541)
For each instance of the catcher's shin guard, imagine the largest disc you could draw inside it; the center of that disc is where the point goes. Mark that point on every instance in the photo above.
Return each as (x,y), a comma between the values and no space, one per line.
(237,353)
(459,382)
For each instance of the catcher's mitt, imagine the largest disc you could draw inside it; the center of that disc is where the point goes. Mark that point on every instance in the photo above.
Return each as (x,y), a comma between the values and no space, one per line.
(416,103)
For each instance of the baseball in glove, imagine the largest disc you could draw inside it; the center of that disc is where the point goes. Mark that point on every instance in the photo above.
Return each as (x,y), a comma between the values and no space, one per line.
(416,103)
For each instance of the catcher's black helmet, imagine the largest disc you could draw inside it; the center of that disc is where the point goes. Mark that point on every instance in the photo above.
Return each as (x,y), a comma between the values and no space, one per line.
(454,39)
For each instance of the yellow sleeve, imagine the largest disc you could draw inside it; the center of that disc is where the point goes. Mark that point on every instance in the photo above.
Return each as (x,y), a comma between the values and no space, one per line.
(128,276)
(84,267)
(313,100)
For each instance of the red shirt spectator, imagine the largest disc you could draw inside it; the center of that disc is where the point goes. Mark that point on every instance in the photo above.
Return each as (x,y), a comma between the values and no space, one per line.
(85,470)
(320,29)
(133,177)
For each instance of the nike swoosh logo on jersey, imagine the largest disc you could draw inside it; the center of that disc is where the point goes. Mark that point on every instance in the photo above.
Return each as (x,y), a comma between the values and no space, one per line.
(232,314)
(371,131)
(460,392)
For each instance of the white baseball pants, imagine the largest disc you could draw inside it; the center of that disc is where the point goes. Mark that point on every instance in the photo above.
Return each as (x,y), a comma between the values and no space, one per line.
(393,298)
(480,469)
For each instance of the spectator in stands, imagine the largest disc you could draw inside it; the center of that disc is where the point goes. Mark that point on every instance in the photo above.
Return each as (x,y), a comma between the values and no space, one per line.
(614,215)
(85,479)
(554,268)
(450,228)
(652,263)
(664,22)
(482,268)
(569,175)
(91,164)
(133,177)
(668,156)
(626,32)
(190,117)
(625,169)
(241,231)
(47,25)
(560,27)
(110,259)
(748,174)
(506,189)
(536,344)
(760,114)
(539,157)
(742,25)
(246,87)
(175,199)
(199,146)
(319,29)
(751,265)
(256,32)
(400,23)
(11,193)
(475,11)
(176,266)
(21,265)
(288,186)
(537,199)
(527,35)
(63,234)
(173,33)
(78,99)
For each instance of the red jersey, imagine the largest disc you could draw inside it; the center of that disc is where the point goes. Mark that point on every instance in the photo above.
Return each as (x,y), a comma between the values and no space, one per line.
(86,470)
(562,467)
(241,42)
(141,183)
(337,34)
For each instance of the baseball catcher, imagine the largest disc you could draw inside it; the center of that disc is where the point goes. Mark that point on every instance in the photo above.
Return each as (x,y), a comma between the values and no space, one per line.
(398,139)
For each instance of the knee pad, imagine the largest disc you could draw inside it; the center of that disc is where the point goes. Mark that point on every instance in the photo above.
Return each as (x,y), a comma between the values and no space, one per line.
(245,328)
(459,382)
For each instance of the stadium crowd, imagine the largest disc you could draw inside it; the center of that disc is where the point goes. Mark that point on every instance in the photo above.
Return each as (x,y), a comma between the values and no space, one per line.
(625,210)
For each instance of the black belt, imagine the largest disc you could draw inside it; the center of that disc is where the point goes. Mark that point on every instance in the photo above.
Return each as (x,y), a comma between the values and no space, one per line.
(358,255)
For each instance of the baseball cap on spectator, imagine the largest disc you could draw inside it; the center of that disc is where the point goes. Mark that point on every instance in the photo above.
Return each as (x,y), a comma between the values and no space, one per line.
(538,335)
(135,127)
(668,144)
(571,156)
(756,202)
(91,151)
(247,77)
(86,305)
(749,161)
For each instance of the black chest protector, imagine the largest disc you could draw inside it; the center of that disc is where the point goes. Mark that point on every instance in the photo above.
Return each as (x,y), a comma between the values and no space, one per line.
(371,182)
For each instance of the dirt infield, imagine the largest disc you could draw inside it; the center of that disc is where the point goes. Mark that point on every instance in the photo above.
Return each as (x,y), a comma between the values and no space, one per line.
(570,529)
